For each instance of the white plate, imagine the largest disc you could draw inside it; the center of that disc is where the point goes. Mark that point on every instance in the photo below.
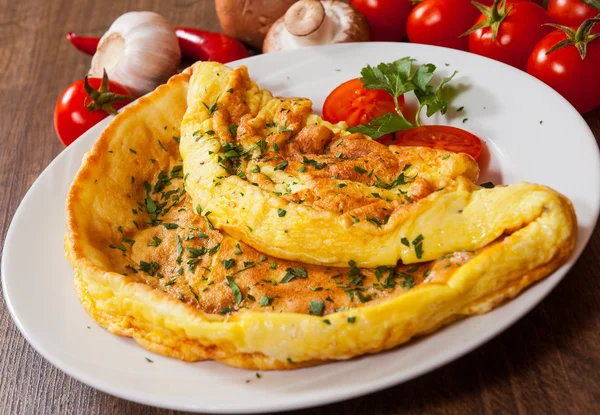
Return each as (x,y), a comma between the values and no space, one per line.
(504,107)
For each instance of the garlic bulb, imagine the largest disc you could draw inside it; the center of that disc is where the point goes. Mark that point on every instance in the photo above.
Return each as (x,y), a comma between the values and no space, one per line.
(140,51)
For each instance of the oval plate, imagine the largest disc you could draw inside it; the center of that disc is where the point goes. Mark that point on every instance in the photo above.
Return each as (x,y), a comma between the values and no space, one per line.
(527,128)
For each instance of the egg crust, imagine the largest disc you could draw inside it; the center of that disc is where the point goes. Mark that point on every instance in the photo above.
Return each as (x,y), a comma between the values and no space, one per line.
(148,266)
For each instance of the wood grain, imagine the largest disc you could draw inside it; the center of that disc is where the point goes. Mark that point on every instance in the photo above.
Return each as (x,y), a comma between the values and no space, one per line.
(546,363)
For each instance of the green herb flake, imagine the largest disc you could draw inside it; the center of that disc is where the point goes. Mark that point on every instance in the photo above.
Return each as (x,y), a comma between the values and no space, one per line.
(170,225)
(405,242)
(326,321)
(282,165)
(488,185)
(228,263)
(316,308)
(265,301)
(281,213)
(237,293)
(359,170)
(273,265)
(292,273)
(351,320)
(237,250)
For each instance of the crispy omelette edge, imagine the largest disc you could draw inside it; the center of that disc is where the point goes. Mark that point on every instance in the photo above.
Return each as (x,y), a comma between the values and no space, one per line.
(268,341)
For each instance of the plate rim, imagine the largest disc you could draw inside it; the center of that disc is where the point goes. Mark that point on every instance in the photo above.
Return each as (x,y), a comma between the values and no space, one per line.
(296,403)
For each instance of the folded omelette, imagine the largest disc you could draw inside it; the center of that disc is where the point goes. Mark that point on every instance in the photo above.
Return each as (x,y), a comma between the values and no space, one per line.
(212,220)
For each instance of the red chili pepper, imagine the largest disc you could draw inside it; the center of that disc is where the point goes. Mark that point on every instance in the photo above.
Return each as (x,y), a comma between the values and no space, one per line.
(84,44)
(200,45)
(195,44)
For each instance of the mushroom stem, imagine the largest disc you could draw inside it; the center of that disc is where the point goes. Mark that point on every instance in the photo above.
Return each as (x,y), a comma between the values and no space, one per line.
(308,23)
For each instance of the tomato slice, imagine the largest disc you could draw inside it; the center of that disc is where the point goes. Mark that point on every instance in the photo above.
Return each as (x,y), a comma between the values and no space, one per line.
(441,137)
(352,103)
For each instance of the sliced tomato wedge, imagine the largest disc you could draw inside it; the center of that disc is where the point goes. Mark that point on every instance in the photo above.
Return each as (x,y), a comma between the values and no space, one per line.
(442,137)
(353,103)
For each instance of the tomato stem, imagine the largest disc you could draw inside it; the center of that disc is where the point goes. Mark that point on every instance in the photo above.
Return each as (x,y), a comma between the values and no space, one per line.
(595,4)
(102,98)
(579,38)
(494,16)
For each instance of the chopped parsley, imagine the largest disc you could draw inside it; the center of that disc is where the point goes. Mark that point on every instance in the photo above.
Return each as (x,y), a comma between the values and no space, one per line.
(282,165)
(292,273)
(316,308)
(265,301)
(228,263)
(237,293)
(281,213)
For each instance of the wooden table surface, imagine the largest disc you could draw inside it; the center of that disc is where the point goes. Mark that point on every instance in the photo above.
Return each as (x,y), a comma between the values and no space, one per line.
(548,362)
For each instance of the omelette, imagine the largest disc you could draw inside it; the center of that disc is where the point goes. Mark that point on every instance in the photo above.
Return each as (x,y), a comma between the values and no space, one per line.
(212,220)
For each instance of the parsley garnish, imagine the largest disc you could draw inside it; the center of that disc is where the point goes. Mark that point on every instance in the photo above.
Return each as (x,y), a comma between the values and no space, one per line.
(282,165)
(314,163)
(292,273)
(265,301)
(316,307)
(179,249)
(233,129)
(281,213)
(398,78)
(488,185)
(149,268)
(351,319)
(170,225)
(228,263)
(418,244)
(405,242)
(237,293)
(359,170)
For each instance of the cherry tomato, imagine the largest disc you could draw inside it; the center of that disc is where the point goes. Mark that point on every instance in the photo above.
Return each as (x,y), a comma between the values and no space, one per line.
(570,12)
(387,18)
(575,79)
(518,34)
(72,118)
(441,22)
(441,137)
(352,103)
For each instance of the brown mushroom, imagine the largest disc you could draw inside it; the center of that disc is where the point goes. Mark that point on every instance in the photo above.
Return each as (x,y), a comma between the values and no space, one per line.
(313,22)
(249,20)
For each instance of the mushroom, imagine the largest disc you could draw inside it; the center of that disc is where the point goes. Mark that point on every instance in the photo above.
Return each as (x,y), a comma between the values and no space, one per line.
(313,22)
(249,20)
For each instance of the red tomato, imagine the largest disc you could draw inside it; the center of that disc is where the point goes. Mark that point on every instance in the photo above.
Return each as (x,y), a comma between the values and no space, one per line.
(575,79)
(387,18)
(72,118)
(518,34)
(441,22)
(570,12)
(441,137)
(352,103)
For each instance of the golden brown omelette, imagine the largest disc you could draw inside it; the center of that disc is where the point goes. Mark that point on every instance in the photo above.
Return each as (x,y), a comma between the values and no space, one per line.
(229,250)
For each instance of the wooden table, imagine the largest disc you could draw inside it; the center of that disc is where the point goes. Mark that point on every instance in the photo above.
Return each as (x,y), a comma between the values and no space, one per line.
(549,362)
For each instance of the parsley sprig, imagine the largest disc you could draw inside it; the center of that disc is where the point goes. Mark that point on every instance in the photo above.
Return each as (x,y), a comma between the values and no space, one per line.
(397,78)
